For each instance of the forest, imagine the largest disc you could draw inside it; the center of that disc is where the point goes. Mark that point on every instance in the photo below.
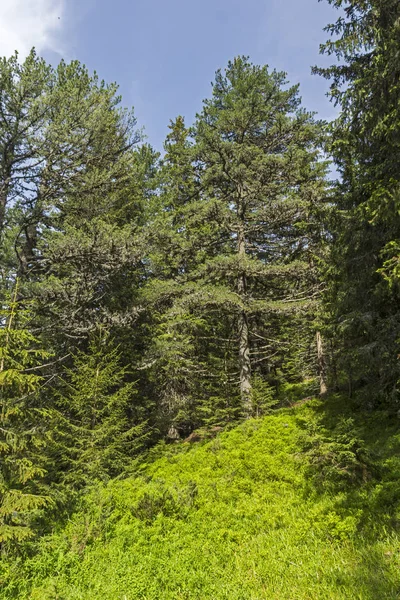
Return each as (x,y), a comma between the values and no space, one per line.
(199,349)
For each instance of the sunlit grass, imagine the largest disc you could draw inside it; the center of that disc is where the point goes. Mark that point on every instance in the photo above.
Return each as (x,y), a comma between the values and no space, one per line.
(241,517)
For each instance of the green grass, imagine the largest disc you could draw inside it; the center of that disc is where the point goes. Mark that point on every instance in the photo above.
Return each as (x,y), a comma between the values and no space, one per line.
(300,505)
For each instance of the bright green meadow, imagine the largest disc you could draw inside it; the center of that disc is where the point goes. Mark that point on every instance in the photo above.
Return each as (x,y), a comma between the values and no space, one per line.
(302,504)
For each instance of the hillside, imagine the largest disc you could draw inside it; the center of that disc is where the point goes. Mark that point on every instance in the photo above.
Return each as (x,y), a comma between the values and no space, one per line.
(247,515)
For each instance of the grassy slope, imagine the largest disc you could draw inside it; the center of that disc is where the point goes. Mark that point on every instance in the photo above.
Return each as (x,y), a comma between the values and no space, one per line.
(238,518)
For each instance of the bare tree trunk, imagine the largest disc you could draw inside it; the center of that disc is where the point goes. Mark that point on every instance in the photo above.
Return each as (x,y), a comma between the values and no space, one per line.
(6,171)
(243,327)
(323,388)
(3,202)
(244,364)
(4,189)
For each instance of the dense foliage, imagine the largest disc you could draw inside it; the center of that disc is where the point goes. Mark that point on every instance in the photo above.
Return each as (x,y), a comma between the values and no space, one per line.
(301,504)
(363,295)
(150,298)
(239,234)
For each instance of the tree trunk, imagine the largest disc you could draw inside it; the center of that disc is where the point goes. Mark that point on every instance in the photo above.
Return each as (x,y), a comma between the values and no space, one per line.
(245,365)
(333,366)
(4,189)
(323,388)
(243,327)
(6,171)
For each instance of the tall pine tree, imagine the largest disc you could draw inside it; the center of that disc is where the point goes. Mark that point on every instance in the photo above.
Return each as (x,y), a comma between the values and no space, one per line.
(249,230)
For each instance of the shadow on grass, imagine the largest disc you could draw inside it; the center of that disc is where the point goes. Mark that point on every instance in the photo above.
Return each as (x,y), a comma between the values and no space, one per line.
(353,458)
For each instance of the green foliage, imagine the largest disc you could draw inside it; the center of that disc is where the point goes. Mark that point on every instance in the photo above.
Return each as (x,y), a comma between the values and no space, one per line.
(233,245)
(100,427)
(362,298)
(264,396)
(336,458)
(297,392)
(23,425)
(72,194)
(236,518)
(219,411)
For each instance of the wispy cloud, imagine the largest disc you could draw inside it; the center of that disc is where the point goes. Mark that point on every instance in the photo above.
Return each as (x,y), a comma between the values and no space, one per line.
(27,23)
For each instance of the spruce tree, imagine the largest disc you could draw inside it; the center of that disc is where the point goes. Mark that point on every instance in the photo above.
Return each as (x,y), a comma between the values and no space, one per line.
(23,425)
(363,293)
(100,426)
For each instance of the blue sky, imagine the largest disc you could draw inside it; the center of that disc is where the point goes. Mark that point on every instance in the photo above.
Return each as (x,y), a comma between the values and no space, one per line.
(164,53)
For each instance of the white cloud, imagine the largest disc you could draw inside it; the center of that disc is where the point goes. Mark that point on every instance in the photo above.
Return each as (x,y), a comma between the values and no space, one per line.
(27,23)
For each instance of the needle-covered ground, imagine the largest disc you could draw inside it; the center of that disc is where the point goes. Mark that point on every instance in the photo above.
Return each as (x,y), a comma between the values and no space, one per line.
(303,504)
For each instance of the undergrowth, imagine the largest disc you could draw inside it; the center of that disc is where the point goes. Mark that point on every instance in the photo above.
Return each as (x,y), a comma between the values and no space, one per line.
(300,505)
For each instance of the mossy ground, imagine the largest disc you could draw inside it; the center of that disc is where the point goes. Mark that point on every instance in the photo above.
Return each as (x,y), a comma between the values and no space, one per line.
(287,507)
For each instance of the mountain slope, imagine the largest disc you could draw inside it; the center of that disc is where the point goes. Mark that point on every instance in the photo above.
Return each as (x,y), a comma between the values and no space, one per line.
(299,505)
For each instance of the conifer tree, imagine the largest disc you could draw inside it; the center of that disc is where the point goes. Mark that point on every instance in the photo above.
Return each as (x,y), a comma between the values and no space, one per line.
(363,293)
(101,427)
(249,230)
(23,425)
(72,189)
(172,358)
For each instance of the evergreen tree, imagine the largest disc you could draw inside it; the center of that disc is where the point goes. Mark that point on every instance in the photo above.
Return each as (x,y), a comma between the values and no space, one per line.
(23,117)
(71,192)
(363,295)
(259,156)
(248,237)
(23,426)
(100,426)
(172,358)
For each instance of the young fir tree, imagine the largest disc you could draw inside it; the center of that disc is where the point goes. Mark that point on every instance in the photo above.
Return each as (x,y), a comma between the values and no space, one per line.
(23,426)
(101,428)
(363,293)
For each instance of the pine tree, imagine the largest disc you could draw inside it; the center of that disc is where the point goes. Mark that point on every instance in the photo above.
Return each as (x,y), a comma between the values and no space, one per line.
(259,158)
(247,233)
(72,189)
